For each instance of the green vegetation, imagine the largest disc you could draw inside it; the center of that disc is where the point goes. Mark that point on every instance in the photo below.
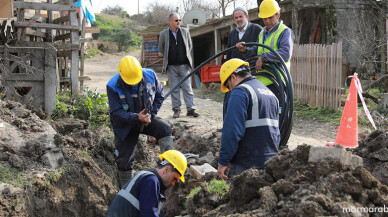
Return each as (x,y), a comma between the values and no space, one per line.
(85,154)
(219,187)
(12,176)
(91,106)
(314,113)
(118,29)
(55,176)
(215,186)
(193,192)
(91,53)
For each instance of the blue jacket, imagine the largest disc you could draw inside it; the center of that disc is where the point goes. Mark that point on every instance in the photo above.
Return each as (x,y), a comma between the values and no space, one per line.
(250,133)
(125,101)
(147,189)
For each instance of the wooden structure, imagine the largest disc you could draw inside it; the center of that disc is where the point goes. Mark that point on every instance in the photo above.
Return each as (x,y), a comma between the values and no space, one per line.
(149,52)
(29,76)
(42,24)
(316,71)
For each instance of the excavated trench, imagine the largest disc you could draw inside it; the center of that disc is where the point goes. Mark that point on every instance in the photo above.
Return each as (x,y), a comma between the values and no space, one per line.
(68,170)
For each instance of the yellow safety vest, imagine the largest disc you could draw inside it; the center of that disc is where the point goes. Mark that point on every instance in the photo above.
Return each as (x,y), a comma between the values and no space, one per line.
(272,42)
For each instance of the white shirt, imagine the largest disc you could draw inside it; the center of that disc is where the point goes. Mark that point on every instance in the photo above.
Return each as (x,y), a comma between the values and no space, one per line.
(241,33)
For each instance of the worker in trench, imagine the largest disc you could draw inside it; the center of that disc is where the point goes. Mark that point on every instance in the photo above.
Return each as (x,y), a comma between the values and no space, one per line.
(135,96)
(250,133)
(275,35)
(144,194)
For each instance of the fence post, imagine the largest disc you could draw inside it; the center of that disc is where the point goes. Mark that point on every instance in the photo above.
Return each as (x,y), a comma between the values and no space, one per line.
(50,80)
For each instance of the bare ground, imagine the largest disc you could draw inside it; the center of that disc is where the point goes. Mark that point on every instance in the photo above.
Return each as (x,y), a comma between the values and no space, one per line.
(100,69)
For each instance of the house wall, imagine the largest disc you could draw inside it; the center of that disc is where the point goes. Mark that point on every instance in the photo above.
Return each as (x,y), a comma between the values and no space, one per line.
(150,50)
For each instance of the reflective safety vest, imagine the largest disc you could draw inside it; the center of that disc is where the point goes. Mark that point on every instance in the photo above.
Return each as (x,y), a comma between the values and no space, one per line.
(272,42)
(126,202)
(261,138)
(126,192)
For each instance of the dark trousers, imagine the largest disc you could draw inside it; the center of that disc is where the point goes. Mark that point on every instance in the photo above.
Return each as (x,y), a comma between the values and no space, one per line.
(127,148)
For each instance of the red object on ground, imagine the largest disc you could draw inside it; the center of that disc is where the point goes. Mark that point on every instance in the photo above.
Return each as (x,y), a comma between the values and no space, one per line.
(210,73)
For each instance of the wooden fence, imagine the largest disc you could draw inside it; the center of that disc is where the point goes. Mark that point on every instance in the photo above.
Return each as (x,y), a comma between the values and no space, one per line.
(316,72)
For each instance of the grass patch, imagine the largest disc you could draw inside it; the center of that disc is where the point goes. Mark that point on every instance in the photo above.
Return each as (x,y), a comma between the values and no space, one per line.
(85,154)
(92,53)
(193,192)
(314,113)
(12,176)
(219,187)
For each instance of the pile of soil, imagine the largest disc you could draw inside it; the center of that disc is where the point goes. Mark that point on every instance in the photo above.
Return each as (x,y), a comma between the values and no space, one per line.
(292,186)
(374,150)
(65,169)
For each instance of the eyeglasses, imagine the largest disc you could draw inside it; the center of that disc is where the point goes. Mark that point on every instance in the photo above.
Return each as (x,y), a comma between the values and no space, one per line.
(226,82)
(178,20)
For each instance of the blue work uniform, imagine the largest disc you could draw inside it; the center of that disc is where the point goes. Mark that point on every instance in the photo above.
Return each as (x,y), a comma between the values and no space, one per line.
(250,133)
(143,195)
(125,103)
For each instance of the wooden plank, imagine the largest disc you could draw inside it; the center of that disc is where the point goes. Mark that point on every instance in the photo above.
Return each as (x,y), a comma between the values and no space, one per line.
(61,19)
(35,17)
(43,6)
(83,40)
(93,29)
(59,46)
(46,26)
(82,52)
(62,37)
(50,80)
(66,53)
(36,33)
(67,79)
(74,75)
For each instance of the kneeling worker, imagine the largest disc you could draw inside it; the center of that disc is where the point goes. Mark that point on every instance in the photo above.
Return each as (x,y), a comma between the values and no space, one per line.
(143,195)
(250,133)
(135,97)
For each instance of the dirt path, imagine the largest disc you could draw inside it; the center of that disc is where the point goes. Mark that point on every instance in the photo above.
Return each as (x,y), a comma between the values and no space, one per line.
(101,68)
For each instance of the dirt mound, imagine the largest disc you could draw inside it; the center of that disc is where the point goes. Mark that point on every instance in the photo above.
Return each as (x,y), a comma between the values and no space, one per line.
(293,186)
(45,172)
(374,151)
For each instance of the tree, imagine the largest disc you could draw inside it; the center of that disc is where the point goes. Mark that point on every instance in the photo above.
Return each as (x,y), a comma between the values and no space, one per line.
(211,9)
(157,13)
(115,10)
(223,5)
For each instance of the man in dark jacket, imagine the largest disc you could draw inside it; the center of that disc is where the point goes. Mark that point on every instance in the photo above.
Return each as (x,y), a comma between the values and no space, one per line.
(250,134)
(144,194)
(135,97)
(244,31)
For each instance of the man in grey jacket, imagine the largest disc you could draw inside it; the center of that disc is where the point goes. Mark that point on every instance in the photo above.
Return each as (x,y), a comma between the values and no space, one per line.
(175,46)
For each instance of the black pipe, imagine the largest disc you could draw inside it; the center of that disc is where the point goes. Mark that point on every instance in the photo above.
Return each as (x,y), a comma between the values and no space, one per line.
(285,88)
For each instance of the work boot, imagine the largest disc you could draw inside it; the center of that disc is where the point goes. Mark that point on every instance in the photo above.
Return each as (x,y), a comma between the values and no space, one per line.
(193,113)
(176,114)
(124,177)
(165,143)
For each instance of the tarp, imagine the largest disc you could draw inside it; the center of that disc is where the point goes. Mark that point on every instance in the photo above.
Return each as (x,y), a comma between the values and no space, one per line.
(87,9)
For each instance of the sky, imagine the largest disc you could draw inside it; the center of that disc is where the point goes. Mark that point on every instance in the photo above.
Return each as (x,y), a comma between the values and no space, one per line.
(131,6)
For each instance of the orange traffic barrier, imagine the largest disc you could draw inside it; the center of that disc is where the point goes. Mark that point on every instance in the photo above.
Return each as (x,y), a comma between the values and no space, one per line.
(347,134)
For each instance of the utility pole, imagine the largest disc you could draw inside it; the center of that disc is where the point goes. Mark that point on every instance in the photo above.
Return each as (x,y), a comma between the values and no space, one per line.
(138,7)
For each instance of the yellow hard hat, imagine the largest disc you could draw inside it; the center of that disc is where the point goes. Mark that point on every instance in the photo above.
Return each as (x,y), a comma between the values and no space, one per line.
(130,70)
(268,8)
(177,159)
(227,69)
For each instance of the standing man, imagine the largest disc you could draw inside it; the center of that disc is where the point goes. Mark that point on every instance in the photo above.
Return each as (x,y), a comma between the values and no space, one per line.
(244,31)
(175,46)
(250,134)
(144,194)
(275,35)
(135,97)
